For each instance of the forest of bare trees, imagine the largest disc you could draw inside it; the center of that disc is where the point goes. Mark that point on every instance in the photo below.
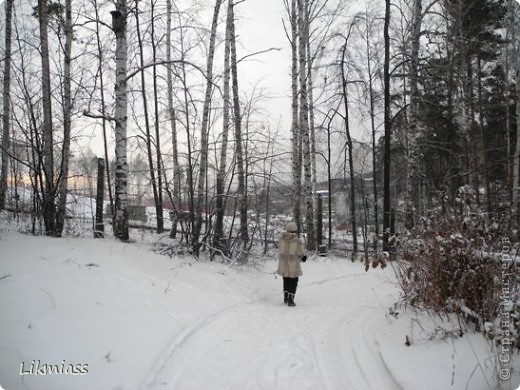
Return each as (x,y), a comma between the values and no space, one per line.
(396,111)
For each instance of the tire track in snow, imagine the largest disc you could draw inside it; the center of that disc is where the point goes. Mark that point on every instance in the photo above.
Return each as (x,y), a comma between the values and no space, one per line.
(339,352)
(179,341)
(351,351)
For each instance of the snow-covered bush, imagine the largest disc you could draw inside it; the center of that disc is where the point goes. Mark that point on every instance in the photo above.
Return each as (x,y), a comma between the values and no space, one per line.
(461,266)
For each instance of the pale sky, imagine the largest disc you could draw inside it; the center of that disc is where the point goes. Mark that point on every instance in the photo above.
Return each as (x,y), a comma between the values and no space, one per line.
(259,27)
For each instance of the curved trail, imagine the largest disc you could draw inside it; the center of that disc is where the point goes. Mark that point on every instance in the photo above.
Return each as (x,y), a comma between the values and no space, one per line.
(325,342)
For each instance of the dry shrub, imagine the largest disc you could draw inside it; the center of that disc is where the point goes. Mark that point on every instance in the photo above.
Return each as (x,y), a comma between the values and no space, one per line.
(454,266)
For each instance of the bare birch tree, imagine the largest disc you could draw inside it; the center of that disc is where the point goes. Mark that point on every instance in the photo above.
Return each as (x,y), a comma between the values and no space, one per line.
(241,174)
(371,72)
(349,145)
(304,122)
(148,136)
(120,217)
(158,154)
(296,156)
(412,149)
(6,99)
(388,129)
(172,118)
(199,207)
(49,193)
(67,109)
(221,174)
(103,109)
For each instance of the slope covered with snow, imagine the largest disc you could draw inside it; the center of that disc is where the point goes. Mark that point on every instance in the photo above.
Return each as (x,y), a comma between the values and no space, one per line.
(136,320)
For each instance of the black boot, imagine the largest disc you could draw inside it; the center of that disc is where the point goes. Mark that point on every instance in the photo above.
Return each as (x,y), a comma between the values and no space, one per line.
(290,301)
(286,289)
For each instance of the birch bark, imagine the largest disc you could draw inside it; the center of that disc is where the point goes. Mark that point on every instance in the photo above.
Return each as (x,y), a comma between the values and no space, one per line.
(6,98)
(295,127)
(304,125)
(120,217)
(412,149)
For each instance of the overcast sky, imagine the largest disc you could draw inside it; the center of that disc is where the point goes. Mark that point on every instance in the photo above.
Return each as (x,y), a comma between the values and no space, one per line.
(259,27)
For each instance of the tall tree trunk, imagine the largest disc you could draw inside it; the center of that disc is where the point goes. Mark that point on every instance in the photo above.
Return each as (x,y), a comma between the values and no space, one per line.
(373,131)
(483,142)
(172,117)
(220,206)
(158,155)
(242,189)
(119,17)
(99,227)
(103,106)
(190,158)
(6,114)
(270,151)
(329,175)
(148,139)
(388,130)
(310,94)
(412,148)
(471,126)
(295,127)
(49,194)
(204,132)
(353,219)
(304,124)
(67,108)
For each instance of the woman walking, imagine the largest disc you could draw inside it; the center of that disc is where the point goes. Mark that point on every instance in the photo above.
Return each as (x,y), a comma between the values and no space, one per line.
(290,253)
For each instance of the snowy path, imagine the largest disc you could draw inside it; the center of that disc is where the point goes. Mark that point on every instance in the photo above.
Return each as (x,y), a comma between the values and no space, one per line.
(325,342)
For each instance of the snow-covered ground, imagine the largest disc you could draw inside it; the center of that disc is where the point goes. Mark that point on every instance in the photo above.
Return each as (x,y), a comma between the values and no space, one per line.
(122,317)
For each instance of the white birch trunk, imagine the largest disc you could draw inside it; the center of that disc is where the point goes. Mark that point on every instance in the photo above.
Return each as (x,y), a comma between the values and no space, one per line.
(121,194)
(412,148)
(304,125)
(312,132)
(6,114)
(295,128)
(312,128)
